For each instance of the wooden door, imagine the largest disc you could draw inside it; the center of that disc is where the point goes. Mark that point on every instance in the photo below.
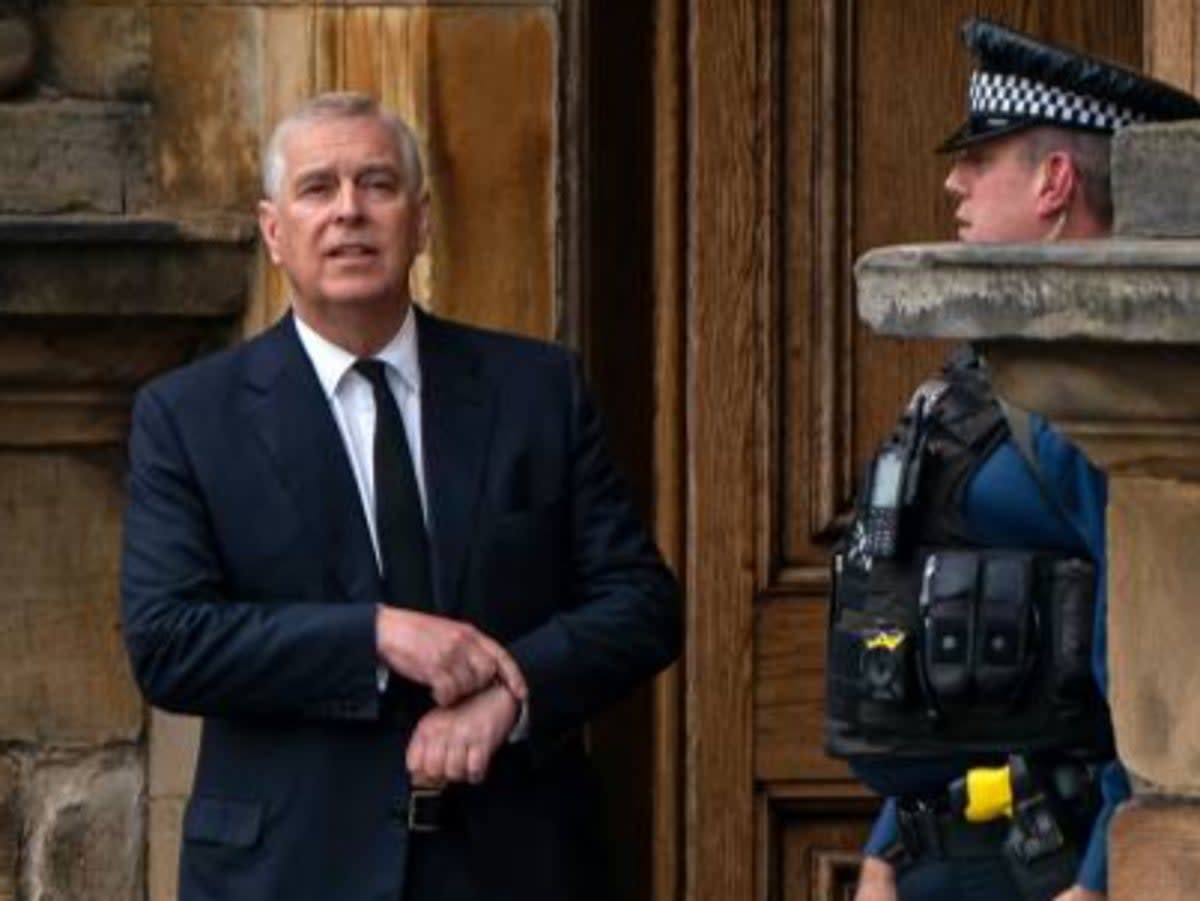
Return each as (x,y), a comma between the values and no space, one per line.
(802,136)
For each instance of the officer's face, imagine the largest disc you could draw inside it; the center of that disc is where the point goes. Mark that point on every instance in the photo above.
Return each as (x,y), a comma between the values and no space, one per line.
(995,186)
(345,226)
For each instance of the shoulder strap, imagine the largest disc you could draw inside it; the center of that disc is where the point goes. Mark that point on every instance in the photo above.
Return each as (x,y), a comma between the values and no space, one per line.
(1020,424)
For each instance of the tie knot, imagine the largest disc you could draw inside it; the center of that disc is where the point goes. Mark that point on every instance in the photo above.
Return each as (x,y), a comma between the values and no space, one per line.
(374,371)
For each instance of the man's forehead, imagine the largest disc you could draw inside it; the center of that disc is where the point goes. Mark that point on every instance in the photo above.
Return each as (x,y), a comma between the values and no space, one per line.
(336,143)
(336,164)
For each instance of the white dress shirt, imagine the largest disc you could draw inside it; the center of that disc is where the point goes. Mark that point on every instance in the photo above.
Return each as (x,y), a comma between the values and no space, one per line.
(352,400)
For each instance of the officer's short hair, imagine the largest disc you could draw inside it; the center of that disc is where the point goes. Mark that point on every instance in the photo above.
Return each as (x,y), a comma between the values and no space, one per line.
(1090,151)
(333,106)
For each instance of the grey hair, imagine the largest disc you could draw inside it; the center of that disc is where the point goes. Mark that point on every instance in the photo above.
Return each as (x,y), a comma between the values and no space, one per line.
(333,106)
(1091,153)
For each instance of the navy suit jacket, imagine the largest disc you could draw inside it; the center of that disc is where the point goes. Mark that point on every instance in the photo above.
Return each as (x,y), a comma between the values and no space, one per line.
(249,589)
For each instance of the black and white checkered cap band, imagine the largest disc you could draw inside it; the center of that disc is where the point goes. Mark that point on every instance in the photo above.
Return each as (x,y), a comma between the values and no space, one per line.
(1002,94)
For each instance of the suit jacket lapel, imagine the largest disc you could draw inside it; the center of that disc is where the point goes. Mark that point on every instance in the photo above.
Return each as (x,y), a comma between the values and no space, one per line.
(291,416)
(456,427)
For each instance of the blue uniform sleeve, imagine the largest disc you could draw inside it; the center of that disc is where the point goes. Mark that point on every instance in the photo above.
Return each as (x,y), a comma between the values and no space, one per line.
(1082,492)
(885,832)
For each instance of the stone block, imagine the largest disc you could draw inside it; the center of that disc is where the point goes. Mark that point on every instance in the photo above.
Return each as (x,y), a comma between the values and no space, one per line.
(1155,851)
(1156,180)
(81,156)
(10,828)
(18,51)
(85,828)
(1154,683)
(174,743)
(65,678)
(205,67)
(166,834)
(96,52)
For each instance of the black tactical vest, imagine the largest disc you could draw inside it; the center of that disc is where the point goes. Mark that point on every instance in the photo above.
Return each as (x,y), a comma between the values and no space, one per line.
(936,644)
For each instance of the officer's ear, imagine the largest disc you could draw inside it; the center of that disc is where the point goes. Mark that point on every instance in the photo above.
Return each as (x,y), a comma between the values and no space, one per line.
(1057,181)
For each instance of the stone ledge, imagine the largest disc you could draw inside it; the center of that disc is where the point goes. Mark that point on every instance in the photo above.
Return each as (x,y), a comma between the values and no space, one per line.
(123,266)
(1116,290)
(66,155)
(98,229)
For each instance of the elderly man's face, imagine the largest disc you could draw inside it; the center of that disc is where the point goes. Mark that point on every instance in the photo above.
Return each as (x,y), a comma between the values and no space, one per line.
(996,189)
(345,227)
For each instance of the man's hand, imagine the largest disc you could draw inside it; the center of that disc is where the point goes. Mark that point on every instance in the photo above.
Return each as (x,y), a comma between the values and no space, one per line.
(454,659)
(456,744)
(1079,893)
(876,881)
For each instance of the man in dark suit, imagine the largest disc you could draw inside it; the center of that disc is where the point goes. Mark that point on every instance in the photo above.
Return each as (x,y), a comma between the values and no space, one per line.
(387,558)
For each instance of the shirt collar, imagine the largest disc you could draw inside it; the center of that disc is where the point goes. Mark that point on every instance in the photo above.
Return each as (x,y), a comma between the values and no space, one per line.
(332,362)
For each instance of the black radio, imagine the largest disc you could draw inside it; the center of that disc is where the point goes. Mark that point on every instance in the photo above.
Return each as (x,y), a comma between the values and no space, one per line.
(881,520)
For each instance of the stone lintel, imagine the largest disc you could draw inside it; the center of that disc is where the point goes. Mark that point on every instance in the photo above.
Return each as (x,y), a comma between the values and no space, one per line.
(118,266)
(1118,290)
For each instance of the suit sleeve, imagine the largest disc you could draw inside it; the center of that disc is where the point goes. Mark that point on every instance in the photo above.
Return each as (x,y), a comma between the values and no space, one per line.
(622,622)
(196,650)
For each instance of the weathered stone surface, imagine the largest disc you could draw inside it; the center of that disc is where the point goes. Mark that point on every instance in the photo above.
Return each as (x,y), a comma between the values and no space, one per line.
(117,354)
(1155,851)
(1154,682)
(1123,290)
(174,742)
(18,49)
(10,828)
(97,52)
(1156,180)
(166,833)
(65,677)
(119,267)
(205,69)
(73,156)
(86,829)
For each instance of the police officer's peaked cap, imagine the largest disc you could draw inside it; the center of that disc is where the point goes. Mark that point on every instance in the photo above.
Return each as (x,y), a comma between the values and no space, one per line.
(1020,82)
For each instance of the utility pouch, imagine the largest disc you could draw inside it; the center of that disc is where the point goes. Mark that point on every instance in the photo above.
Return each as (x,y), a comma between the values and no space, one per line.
(1005,628)
(885,667)
(948,590)
(1042,848)
(1073,610)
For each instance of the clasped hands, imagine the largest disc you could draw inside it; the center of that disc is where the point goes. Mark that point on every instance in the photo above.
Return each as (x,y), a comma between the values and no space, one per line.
(477,686)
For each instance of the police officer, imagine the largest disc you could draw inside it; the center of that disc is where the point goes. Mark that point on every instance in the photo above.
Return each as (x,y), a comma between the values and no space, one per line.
(969,591)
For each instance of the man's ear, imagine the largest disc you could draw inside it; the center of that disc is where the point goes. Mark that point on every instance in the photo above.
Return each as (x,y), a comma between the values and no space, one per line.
(424,221)
(268,226)
(1058,182)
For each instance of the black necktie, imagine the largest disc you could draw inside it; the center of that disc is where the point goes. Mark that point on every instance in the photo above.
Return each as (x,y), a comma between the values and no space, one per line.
(399,523)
